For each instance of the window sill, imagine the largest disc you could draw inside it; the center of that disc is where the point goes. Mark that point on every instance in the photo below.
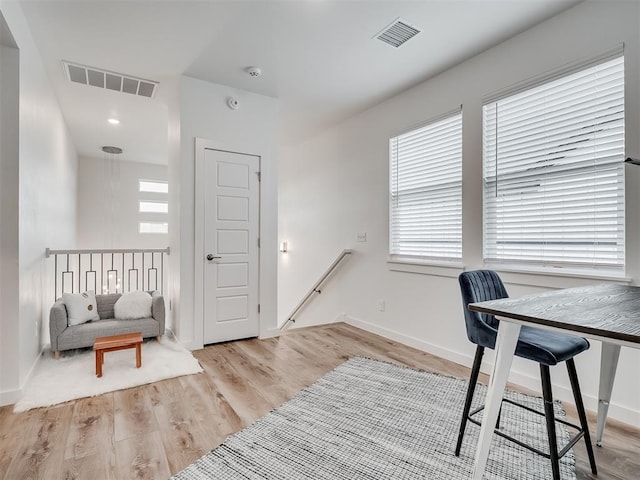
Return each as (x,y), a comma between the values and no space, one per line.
(426,267)
(555,277)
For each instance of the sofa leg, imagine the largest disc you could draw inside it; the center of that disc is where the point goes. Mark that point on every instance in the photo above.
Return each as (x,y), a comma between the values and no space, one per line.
(56,354)
(158,337)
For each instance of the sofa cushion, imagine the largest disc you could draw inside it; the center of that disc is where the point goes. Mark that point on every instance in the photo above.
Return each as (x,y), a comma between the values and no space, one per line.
(84,335)
(133,305)
(81,307)
(106,303)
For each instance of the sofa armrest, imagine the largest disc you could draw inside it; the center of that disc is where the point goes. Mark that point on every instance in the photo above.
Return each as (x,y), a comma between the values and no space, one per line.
(157,310)
(57,322)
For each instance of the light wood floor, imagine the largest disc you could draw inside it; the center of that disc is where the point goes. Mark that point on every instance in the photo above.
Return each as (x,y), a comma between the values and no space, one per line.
(156,430)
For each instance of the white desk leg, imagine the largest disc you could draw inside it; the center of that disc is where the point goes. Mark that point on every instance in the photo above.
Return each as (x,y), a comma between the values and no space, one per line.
(608,366)
(505,347)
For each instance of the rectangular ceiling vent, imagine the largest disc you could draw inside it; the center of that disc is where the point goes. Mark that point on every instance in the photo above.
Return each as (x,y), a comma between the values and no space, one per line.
(397,33)
(118,82)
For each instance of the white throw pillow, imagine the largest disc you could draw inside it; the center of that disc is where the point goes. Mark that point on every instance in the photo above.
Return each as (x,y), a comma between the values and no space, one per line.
(81,307)
(133,305)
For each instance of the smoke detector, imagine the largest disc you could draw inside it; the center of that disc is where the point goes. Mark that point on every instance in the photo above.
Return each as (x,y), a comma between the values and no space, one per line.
(233,103)
(254,71)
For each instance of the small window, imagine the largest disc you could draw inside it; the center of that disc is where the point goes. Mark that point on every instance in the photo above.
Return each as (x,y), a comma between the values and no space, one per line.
(154,227)
(153,186)
(153,207)
(426,191)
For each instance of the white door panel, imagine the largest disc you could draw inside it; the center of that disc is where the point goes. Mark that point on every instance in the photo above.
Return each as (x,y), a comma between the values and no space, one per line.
(231,246)
(233,175)
(233,275)
(232,308)
(235,209)
(233,241)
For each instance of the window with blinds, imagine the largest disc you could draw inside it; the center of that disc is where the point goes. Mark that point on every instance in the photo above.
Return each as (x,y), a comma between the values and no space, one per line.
(554,172)
(153,207)
(426,191)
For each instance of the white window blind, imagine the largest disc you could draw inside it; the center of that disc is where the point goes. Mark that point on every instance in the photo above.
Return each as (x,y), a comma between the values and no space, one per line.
(153,186)
(426,190)
(554,172)
(154,227)
(153,207)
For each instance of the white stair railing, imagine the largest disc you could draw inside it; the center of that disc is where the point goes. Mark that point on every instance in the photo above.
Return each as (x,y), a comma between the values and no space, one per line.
(107,271)
(316,289)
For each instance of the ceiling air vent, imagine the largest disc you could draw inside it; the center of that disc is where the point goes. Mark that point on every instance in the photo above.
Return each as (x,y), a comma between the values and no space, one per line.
(397,33)
(110,80)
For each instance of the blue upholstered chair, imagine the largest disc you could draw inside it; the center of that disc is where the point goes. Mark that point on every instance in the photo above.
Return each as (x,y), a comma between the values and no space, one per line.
(542,346)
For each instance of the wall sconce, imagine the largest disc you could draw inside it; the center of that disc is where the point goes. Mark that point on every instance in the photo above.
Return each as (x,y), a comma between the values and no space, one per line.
(283,247)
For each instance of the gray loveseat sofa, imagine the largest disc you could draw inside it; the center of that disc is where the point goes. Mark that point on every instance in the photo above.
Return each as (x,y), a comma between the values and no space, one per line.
(66,337)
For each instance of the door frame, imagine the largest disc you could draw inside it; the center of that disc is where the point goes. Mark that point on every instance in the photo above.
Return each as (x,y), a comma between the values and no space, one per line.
(199,251)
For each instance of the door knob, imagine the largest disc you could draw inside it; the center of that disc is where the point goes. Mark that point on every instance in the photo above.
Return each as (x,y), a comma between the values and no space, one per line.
(211,257)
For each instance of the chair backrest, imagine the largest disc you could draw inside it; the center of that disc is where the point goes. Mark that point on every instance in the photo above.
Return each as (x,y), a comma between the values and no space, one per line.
(479,286)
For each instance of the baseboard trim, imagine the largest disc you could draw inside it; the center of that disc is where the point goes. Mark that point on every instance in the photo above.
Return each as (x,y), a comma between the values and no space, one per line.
(396,336)
(560,392)
(192,346)
(9,397)
(270,333)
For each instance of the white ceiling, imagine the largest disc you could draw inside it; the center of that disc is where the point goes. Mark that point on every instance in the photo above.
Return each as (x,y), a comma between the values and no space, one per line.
(317,56)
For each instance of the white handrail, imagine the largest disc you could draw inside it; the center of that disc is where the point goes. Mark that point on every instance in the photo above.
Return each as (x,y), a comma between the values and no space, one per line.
(316,287)
(48,252)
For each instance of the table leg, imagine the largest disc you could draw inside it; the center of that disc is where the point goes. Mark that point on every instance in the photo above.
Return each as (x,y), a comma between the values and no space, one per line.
(138,355)
(505,347)
(98,363)
(608,366)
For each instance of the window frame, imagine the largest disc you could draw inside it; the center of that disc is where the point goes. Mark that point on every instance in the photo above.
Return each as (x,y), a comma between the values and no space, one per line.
(617,267)
(398,257)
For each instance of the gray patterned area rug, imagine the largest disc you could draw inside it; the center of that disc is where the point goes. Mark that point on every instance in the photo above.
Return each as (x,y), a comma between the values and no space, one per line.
(374,420)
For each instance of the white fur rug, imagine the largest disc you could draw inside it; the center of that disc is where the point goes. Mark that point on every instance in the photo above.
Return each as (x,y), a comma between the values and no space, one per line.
(74,374)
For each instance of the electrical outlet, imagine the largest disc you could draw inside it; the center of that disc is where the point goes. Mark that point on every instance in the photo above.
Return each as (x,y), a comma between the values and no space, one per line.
(381,305)
(362,236)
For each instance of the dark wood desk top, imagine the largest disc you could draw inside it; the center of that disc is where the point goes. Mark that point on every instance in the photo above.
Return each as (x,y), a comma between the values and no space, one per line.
(609,311)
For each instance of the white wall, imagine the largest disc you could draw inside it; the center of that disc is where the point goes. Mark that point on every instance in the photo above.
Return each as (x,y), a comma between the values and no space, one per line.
(103,225)
(9,107)
(336,184)
(198,109)
(47,208)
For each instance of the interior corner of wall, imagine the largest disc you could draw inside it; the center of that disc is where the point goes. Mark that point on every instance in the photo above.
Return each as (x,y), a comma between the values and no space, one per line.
(188,343)
(341,317)
(24,381)
(8,397)
(270,332)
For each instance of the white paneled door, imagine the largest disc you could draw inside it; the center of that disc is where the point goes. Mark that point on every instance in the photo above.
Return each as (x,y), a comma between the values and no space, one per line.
(231,246)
